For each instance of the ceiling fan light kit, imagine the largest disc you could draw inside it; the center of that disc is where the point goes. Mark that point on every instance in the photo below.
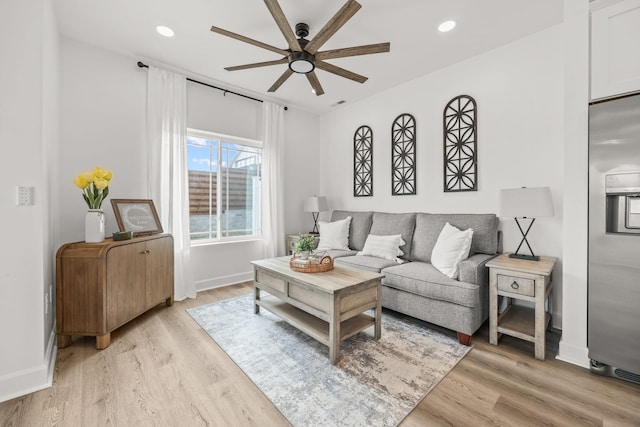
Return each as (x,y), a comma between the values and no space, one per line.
(302,55)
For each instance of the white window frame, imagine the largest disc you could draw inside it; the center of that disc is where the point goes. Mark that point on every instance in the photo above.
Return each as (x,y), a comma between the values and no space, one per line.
(223,138)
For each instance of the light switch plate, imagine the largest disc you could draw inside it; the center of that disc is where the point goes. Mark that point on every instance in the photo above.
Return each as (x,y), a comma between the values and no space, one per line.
(25,196)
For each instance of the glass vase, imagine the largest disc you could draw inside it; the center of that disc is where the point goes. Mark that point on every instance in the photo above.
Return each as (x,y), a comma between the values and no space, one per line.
(94,226)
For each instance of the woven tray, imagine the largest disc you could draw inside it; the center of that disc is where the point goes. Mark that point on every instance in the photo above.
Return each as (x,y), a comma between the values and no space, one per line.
(309,266)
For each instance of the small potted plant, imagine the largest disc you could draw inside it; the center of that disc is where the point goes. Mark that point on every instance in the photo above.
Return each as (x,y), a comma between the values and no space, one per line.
(304,246)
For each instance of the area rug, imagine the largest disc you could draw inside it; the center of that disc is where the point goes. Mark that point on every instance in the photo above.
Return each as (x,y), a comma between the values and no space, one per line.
(375,383)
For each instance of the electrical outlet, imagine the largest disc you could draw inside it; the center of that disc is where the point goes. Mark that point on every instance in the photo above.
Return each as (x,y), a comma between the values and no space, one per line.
(25,196)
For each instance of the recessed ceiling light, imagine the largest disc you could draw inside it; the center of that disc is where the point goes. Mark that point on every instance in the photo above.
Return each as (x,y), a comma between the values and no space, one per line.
(165,31)
(446,26)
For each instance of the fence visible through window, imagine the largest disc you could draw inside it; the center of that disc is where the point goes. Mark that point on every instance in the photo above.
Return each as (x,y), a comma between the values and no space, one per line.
(224,186)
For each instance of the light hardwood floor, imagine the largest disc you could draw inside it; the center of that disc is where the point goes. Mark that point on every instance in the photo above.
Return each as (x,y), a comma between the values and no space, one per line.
(162,369)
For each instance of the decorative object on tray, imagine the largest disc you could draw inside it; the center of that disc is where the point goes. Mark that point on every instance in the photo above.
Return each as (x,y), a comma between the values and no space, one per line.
(95,188)
(315,205)
(460,140)
(403,155)
(305,245)
(136,215)
(315,263)
(363,162)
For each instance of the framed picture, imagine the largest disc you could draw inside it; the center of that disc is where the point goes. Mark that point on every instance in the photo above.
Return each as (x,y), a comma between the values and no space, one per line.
(136,215)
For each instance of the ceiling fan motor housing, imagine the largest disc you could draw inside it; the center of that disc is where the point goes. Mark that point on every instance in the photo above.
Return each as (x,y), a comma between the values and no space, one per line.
(301,62)
(302,30)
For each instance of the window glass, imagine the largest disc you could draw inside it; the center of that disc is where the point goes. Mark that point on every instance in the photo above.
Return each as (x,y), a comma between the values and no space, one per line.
(224,186)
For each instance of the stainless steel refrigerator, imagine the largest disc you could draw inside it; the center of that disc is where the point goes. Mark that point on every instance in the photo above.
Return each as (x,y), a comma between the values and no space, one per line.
(614,238)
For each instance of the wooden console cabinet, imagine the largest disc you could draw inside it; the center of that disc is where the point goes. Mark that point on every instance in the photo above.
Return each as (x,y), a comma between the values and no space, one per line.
(101,286)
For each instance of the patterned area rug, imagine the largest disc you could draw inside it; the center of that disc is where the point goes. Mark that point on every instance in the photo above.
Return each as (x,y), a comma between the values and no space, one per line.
(375,383)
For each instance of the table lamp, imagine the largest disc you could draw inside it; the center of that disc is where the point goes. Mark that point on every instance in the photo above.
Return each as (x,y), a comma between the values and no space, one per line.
(315,205)
(525,203)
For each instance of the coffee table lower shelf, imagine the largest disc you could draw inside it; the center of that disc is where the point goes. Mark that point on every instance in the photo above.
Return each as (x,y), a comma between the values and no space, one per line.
(312,325)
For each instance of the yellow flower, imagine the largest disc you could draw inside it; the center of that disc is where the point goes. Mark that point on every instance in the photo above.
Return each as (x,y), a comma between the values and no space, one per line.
(80,181)
(100,173)
(94,186)
(100,183)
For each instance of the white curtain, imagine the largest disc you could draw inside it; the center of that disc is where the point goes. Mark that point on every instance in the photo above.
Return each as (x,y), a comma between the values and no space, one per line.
(167,175)
(273,180)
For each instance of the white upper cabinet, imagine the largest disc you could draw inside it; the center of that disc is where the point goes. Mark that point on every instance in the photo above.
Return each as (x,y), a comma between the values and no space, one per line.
(615,49)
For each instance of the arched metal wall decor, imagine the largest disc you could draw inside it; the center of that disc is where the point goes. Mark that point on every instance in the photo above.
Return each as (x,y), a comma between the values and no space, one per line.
(363,162)
(403,155)
(460,145)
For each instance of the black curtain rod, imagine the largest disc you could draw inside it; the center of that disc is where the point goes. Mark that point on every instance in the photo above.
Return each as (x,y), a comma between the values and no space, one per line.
(143,65)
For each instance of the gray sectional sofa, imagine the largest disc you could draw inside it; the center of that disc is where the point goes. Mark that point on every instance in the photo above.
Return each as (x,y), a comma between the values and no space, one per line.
(416,288)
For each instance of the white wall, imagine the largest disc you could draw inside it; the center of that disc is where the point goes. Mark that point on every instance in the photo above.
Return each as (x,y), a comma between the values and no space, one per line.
(28,134)
(573,345)
(519,92)
(103,124)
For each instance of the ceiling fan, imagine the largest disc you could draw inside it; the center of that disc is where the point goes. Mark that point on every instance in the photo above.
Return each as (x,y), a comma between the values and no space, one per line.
(303,56)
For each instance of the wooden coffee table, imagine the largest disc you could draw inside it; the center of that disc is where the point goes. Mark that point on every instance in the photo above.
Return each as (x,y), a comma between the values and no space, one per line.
(328,306)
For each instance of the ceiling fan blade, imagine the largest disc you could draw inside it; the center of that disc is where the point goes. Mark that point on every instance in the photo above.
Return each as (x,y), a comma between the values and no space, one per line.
(340,72)
(280,80)
(256,65)
(335,23)
(248,40)
(315,83)
(354,51)
(283,24)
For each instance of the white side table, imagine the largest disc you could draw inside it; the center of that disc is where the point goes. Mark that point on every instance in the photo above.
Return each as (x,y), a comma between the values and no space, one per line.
(523,280)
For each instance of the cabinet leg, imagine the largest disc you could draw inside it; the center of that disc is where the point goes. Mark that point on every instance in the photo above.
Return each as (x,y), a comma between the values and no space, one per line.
(63,340)
(256,298)
(103,341)
(169,301)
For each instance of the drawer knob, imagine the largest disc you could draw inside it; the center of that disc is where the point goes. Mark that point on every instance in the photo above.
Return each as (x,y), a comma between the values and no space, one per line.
(515,285)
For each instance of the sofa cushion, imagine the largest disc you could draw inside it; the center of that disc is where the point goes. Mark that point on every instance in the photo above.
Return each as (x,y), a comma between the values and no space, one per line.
(428,227)
(452,247)
(387,224)
(386,247)
(359,228)
(365,262)
(334,235)
(423,279)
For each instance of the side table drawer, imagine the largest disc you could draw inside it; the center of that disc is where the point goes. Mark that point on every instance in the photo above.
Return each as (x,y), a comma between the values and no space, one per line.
(516,285)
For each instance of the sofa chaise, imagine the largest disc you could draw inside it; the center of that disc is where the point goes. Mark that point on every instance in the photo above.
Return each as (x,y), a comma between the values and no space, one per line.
(415,287)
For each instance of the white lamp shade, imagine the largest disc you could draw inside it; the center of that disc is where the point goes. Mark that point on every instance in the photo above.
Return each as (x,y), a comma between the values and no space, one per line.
(525,202)
(316,204)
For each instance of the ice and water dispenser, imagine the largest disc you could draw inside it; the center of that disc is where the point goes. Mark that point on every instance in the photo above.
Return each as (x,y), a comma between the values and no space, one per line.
(623,202)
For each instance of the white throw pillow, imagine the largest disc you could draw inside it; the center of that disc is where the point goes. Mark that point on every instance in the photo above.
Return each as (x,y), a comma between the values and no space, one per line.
(386,247)
(334,235)
(453,246)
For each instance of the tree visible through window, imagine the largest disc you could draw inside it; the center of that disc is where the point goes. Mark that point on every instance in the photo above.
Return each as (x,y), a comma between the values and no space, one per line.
(224,186)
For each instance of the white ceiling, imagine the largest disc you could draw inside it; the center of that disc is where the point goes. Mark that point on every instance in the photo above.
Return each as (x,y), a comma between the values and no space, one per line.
(417,48)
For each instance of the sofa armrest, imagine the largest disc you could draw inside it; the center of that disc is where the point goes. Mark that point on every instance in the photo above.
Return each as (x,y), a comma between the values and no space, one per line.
(473,270)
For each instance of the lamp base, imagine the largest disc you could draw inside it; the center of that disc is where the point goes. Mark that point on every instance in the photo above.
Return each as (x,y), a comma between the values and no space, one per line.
(527,257)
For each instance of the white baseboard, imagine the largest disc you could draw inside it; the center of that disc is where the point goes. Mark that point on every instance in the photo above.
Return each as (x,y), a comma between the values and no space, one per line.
(33,379)
(574,355)
(218,282)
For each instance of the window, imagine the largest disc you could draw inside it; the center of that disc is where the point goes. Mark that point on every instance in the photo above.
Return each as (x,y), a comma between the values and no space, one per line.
(224,187)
